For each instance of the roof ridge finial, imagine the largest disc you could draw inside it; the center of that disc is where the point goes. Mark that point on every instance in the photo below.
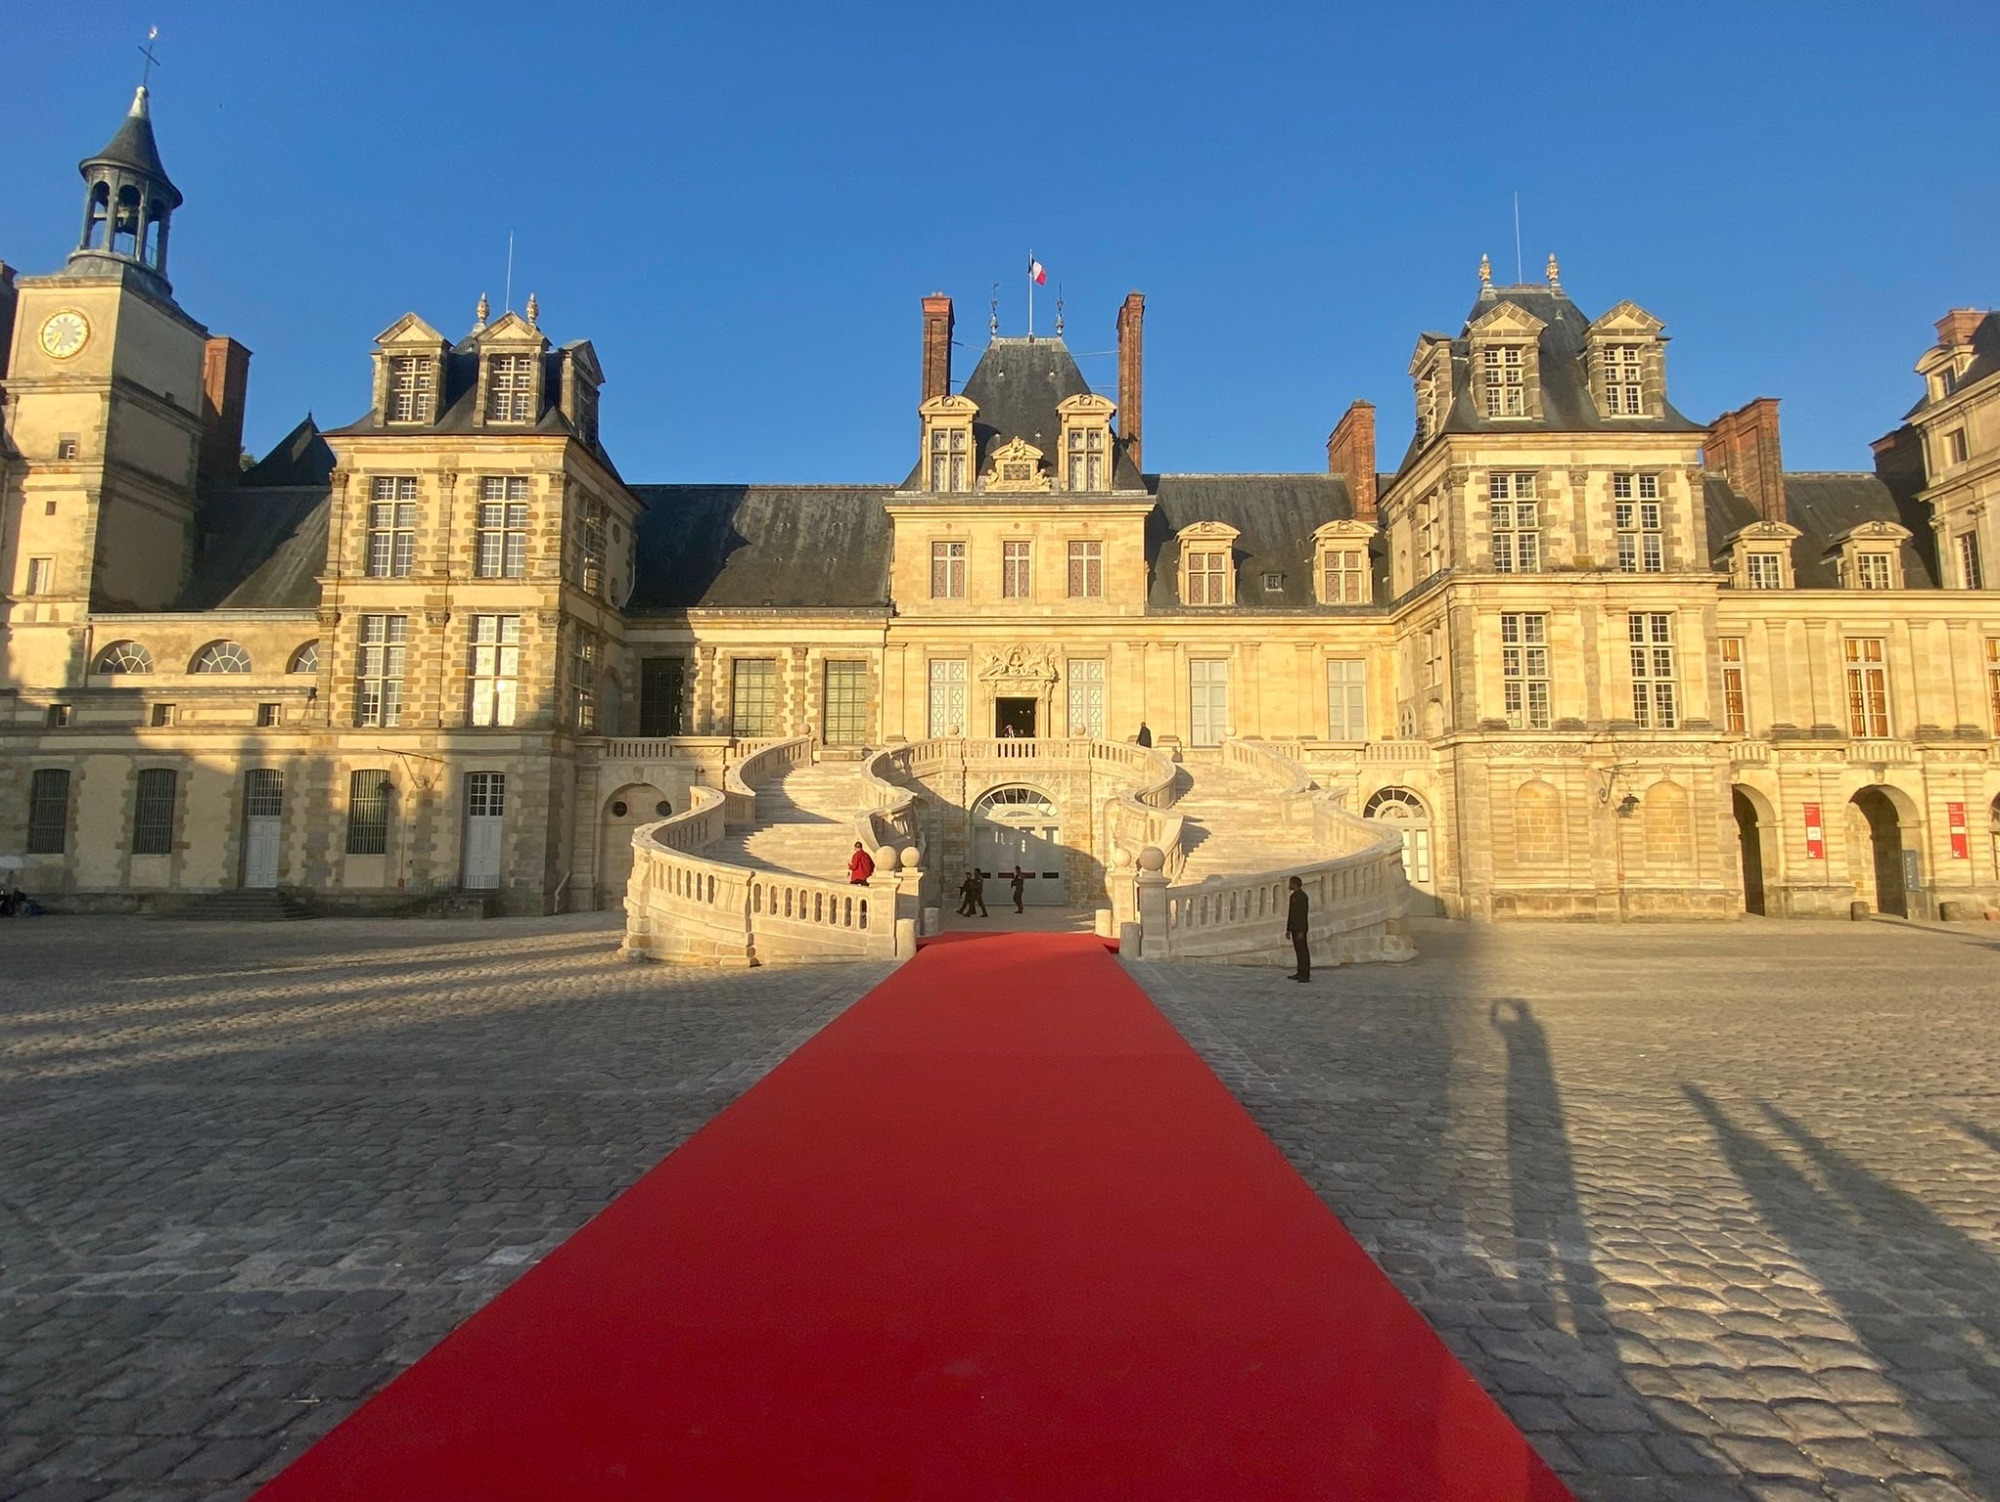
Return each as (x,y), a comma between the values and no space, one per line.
(480,314)
(1485,270)
(534,311)
(146,74)
(1555,274)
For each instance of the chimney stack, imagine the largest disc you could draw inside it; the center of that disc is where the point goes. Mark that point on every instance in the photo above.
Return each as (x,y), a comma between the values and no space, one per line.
(1131,375)
(937,346)
(1743,445)
(225,389)
(1956,328)
(1350,451)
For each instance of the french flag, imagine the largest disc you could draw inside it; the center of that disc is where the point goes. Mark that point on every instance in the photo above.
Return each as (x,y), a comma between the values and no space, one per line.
(1037,272)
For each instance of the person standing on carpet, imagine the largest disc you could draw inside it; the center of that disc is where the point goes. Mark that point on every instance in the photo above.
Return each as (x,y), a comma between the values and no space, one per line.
(1018,885)
(860,866)
(1295,930)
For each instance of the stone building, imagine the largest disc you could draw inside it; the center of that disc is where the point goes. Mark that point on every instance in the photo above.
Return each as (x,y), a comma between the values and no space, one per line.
(1590,657)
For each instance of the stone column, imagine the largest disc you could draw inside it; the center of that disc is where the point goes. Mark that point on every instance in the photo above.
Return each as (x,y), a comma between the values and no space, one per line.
(1152,893)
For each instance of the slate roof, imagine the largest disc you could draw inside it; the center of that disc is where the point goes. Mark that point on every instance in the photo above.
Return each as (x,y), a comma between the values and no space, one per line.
(1016,386)
(301,457)
(1276,516)
(133,146)
(260,544)
(1823,506)
(1985,361)
(747,546)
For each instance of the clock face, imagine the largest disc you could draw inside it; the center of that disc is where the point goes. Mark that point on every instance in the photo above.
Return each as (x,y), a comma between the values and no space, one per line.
(65,333)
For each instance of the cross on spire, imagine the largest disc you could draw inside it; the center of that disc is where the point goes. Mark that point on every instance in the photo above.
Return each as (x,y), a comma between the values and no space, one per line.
(146,77)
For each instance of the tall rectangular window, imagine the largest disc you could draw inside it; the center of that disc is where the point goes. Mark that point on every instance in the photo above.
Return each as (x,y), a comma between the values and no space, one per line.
(412,388)
(153,812)
(1524,670)
(392,527)
(41,576)
(753,697)
(503,527)
(378,698)
(48,811)
(1970,574)
(1430,536)
(1635,502)
(1086,697)
(1517,521)
(583,680)
(1346,699)
(1208,701)
(1208,577)
(1993,680)
(1650,637)
(1955,450)
(1086,459)
(1086,570)
(1764,570)
(1735,703)
(949,460)
(590,547)
(662,681)
(1506,382)
(1871,571)
(846,703)
(947,707)
(1016,560)
(1344,577)
(510,389)
(1623,380)
(368,812)
(947,571)
(1867,688)
(496,668)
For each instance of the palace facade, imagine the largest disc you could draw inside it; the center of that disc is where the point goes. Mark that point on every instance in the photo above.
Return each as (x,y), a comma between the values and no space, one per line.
(1590,656)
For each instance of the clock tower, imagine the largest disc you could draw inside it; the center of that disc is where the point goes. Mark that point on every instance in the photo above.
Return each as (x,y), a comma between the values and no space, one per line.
(103,422)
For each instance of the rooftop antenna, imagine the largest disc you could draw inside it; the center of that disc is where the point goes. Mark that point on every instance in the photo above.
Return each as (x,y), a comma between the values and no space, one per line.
(507,302)
(1519,274)
(146,75)
(1058,310)
(993,313)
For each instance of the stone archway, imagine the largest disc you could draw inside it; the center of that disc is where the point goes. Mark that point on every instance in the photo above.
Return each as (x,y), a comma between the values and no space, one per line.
(1882,832)
(1019,825)
(1408,814)
(624,811)
(1755,827)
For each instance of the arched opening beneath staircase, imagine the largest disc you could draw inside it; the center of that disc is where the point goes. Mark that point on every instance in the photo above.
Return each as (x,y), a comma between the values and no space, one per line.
(1407,813)
(1015,825)
(624,811)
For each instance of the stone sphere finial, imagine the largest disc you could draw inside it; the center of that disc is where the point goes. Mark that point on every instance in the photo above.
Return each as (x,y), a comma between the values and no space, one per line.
(885,858)
(909,858)
(1152,858)
(1120,858)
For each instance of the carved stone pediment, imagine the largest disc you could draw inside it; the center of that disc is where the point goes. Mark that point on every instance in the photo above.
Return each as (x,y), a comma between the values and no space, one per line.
(1036,665)
(1506,320)
(1208,532)
(1017,466)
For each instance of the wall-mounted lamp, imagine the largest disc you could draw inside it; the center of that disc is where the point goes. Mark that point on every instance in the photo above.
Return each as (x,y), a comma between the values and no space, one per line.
(1627,806)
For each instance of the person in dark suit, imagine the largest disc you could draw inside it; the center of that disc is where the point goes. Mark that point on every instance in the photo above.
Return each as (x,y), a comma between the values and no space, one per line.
(1017,885)
(1295,930)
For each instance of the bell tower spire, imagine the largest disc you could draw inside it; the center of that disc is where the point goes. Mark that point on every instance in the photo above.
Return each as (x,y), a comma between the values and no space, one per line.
(129,201)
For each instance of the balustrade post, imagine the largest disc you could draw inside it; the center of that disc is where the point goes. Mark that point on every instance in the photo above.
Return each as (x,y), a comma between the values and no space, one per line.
(1151,884)
(908,903)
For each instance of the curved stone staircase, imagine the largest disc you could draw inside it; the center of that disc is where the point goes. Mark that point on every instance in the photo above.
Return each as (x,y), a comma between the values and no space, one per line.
(805,824)
(1234,827)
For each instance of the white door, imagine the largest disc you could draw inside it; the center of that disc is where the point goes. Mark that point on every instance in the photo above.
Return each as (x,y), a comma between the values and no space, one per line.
(1208,701)
(263,826)
(485,810)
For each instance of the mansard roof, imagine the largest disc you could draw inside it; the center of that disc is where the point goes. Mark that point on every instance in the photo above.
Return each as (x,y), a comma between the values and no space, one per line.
(1274,517)
(301,457)
(1985,362)
(752,546)
(1824,507)
(1017,386)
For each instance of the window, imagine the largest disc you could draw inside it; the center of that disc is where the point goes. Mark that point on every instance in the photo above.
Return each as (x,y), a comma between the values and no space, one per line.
(48,811)
(1872,571)
(510,389)
(753,696)
(1344,576)
(1434,657)
(1635,501)
(496,668)
(1735,706)
(947,571)
(305,660)
(1993,680)
(1208,577)
(392,523)
(368,812)
(1867,688)
(222,657)
(124,657)
(661,682)
(949,459)
(412,388)
(153,813)
(1516,517)
(1086,697)
(1650,635)
(1524,670)
(1506,384)
(947,718)
(163,715)
(1970,574)
(41,576)
(267,715)
(66,446)
(1406,812)
(1274,583)
(1428,421)
(1086,570)
(846,718)
(1623,380)
(1764,570)
(1208,696)
(1430,546)
(503,527)
(1016,581)
(1346,700)
(1086,459)
(379,693)
(1955,451)
(590,547)
(583,680)
(59,715)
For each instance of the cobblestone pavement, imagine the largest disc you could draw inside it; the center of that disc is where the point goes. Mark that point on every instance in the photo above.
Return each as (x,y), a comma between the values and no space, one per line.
(248,1172)
(1714,1212)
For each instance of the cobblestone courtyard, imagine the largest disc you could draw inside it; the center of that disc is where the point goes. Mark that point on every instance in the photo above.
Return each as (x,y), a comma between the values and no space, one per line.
(1714,1211)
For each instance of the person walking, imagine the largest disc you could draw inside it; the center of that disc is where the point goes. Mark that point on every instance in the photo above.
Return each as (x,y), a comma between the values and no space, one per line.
(1295,930)
(979,891)
(1018,885)
(860,866)
(965,896)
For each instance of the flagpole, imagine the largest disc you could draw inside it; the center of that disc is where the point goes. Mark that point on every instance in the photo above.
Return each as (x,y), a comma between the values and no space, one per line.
(1031,294)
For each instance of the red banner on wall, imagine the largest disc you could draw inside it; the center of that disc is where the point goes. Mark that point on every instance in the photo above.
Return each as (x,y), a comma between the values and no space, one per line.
(1815,835)
(1961,848)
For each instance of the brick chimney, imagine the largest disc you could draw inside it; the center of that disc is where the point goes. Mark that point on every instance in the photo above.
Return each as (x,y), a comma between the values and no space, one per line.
(1743,446)
(225,388)
(1956,328)
(937,346)
(1350,451)
(1131,375)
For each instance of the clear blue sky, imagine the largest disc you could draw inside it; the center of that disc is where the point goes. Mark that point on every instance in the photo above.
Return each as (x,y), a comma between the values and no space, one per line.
(742,205)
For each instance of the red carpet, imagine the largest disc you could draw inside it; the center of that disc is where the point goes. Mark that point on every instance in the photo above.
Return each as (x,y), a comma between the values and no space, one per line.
(997,1233)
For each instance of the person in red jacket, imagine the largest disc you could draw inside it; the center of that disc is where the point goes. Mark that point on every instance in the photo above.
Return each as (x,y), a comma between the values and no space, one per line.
(860,866)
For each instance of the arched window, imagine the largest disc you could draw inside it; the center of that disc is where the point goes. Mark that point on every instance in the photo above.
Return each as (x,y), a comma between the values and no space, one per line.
(1669,826)
(1538,824)
(1014,801)
(305,660)
(222,657)
(1406,812)
(124,657)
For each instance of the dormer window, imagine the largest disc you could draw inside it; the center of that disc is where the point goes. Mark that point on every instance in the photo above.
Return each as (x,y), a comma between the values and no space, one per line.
(948,453)
(1505,382)
(1085,440)
(1870,556)
(412,388)
(1430,369)
(1873,571)
(1208,564)
(510,389)
(1760,556)
(1764,570)
(1624,381)
(1086,459)
(1341,562)
(1427,406)
(1625,359)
